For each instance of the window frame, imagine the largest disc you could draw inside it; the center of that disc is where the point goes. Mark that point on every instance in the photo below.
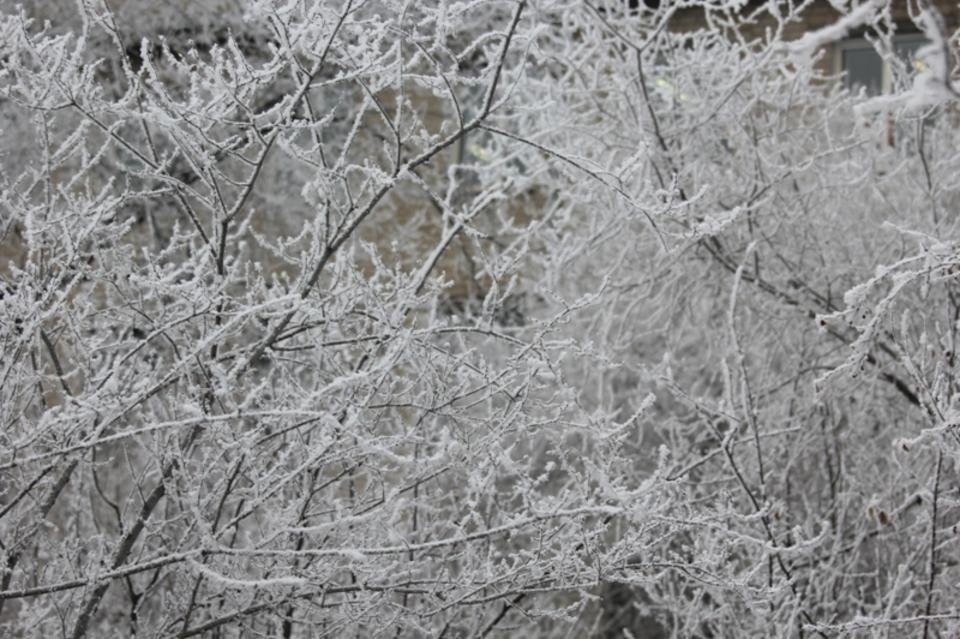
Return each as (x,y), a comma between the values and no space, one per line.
(861,43)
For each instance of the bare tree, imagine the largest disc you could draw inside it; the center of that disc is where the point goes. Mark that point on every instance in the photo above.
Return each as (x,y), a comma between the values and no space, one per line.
(363,318)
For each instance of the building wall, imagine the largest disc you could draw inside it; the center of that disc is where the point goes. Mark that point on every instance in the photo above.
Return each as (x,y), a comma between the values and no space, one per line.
(817,15)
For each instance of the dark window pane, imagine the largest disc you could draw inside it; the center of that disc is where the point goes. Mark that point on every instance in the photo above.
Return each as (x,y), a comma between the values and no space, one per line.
(906,49)
(863,68)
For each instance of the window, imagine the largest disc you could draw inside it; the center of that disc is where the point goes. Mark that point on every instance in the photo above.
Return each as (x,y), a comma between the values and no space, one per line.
(862,66)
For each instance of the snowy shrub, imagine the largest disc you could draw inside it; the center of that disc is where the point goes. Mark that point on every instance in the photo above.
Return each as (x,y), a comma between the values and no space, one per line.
(493,318)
